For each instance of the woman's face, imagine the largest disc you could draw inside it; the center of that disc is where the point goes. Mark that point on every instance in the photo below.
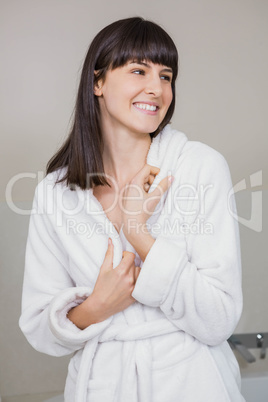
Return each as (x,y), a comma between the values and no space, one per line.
(135,97)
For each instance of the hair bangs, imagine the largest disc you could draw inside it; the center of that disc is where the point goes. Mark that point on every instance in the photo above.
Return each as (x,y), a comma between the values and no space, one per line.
(145,41)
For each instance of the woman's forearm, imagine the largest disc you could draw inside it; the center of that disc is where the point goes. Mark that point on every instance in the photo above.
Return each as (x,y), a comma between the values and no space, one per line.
(85,314)
(142,243)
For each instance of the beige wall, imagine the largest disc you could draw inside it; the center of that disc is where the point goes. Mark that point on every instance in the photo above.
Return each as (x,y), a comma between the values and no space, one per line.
(222,100)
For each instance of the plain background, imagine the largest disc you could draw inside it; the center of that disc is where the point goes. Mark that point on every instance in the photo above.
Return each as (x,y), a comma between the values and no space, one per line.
(222,101)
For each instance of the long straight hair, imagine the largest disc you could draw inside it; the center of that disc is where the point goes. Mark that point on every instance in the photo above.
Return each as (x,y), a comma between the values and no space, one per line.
(115,45)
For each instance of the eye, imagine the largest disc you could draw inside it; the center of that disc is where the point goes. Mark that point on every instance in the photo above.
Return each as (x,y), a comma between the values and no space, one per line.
(139,72)
(166,78)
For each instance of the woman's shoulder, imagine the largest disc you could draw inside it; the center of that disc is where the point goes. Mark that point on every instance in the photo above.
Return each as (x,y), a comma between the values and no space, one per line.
(201,157)
(196,160)
(186,150)
(54,178)
(50,184)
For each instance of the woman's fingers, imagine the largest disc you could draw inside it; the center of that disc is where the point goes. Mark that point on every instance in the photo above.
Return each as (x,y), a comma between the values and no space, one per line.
(145,179)
(109,255)
(146,187)
(162,187)
(114,287)
(151,179)
(144,174)
(136,273)
(148,182)
(128,259)
(154,197)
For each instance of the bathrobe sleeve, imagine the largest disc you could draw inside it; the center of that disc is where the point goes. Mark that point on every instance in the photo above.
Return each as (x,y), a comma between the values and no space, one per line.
(48,290)
(194,274)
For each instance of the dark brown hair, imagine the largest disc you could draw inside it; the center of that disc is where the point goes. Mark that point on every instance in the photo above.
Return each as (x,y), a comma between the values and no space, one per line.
(115,45)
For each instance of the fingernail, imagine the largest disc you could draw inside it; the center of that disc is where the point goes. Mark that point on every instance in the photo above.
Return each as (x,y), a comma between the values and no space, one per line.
(110,241)
(171,179)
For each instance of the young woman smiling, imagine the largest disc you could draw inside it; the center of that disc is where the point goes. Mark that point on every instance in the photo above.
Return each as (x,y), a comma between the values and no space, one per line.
(145,306)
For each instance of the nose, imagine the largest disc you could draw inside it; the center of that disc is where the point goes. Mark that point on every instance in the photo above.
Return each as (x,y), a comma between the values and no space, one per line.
(154,86)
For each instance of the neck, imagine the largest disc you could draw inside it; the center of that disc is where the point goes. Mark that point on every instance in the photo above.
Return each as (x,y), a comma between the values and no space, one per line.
(124,154)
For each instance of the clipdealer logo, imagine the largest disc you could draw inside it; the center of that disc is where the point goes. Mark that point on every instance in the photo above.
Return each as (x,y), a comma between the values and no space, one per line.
(255,221)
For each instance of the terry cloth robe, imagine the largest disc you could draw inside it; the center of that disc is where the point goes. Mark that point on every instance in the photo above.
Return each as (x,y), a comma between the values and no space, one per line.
(170,345)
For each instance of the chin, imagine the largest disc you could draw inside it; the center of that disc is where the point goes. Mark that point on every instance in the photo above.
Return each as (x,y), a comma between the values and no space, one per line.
(147,128)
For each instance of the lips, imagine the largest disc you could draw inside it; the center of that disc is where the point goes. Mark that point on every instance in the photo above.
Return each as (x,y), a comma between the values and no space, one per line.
(146,106)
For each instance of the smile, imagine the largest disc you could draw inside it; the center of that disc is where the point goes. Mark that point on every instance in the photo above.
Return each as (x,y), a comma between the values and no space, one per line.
(146,106)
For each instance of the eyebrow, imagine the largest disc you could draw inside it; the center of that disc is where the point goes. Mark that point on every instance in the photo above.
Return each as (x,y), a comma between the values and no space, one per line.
(142,63)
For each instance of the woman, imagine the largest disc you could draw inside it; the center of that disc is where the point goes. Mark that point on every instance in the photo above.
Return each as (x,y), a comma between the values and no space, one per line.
(137,275)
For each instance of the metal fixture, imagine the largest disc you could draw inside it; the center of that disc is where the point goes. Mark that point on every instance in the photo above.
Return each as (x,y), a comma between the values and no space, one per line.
(245,353)
(243,342)
(261,344)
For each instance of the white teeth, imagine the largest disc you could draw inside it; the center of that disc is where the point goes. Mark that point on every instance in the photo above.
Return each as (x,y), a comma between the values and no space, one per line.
(146,107)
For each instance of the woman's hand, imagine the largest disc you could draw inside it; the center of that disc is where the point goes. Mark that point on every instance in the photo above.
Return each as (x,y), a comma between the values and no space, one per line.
(138,205)
(112,291)
(113,288)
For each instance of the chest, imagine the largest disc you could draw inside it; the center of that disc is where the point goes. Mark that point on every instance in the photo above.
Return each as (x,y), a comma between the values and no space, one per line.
(111,204)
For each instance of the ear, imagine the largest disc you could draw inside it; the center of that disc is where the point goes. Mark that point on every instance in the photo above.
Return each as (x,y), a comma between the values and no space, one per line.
(98,89)
(97,86)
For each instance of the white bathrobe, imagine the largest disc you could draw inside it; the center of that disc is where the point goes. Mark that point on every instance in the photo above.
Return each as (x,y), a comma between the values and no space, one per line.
(170,345)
